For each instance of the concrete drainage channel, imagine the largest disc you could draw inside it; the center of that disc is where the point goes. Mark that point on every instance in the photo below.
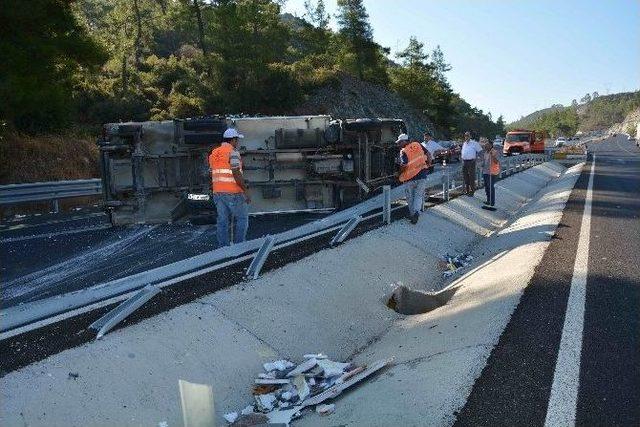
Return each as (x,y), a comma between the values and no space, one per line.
(35,344)
(330,300)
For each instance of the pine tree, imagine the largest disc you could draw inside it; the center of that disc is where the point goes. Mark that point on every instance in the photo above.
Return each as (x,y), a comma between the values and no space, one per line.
(439,65)
(500,125)
(414,55)
(317,14)
(355,28)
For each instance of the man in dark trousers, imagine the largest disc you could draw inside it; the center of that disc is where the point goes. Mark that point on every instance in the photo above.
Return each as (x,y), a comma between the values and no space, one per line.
(468,154)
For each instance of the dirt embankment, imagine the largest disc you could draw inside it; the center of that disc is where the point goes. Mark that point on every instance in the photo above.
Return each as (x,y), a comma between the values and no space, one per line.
(353,98)
(26,158)
(629,124)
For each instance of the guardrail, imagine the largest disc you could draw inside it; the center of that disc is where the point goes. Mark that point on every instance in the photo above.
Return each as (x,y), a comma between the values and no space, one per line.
(14,318)
(44,191)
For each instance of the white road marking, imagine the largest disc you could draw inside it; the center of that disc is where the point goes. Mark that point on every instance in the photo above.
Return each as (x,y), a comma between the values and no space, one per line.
(566,377)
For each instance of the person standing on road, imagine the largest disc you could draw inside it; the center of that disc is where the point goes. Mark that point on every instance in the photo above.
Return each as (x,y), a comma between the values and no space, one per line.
(469,153)
(431,145)
(413,161)
(490,172)
(229,189)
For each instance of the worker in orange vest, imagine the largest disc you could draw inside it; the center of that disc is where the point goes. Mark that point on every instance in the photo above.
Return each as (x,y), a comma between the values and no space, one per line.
(414,162)
(229,188)
(490,172)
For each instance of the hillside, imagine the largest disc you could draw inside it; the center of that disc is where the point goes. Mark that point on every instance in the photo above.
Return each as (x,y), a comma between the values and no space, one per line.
(353,98)
(599,113)
(528,120)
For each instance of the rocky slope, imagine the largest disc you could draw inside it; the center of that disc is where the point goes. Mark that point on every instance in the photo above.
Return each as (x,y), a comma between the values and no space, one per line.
(353,98)
(631,121)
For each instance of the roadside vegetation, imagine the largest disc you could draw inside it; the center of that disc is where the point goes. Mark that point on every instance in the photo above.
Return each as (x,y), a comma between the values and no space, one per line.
(593,112)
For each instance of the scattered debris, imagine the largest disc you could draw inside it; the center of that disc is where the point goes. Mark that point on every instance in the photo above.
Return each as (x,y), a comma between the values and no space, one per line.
(325,409)
(453,263)
(231,416)
(247,410)
(251,419)
(278,365)
(264,388)
(270,381)
(285,390)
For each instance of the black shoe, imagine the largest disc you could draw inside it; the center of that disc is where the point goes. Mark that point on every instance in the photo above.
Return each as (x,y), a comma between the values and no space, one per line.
(486,203)
(489,208)
(414,219)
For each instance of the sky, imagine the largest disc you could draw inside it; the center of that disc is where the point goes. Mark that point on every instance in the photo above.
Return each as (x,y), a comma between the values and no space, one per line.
(513,57)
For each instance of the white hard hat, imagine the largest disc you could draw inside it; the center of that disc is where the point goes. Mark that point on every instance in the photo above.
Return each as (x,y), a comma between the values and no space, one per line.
(232,133)
(402,137)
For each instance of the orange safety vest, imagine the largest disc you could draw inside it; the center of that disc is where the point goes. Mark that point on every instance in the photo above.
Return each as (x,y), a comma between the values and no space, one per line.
(494,167)
(416,161)
(222,180)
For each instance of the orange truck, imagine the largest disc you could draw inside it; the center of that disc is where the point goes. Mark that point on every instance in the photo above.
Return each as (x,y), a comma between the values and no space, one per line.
(520,141)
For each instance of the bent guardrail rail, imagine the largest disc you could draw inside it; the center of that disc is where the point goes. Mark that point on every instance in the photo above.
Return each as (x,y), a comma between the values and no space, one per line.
(44,191)
(17,316)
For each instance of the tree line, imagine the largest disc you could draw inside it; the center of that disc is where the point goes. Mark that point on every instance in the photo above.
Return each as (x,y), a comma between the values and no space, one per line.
(95,61)
(593,112)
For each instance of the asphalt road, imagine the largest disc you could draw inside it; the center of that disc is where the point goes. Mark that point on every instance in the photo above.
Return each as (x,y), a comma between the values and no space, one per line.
(50,255)
(571,351)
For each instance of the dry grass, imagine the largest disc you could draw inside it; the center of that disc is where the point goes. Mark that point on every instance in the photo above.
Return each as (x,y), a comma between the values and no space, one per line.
(26,158)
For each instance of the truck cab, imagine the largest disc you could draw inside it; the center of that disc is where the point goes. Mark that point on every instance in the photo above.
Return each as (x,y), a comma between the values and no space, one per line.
(520,141)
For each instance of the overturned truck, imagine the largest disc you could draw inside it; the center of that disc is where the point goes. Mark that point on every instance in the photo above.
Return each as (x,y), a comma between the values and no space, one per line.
(158,171)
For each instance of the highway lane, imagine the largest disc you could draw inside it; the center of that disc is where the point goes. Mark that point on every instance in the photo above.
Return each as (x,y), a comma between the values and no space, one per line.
(52,258)
(571,351)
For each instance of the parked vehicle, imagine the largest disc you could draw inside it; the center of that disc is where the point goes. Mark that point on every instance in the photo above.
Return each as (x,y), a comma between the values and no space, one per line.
(561,141)
(450,153)
(520,141)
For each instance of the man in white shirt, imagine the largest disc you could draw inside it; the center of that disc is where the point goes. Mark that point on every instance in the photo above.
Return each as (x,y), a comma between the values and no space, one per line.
(431,145)
(469,153)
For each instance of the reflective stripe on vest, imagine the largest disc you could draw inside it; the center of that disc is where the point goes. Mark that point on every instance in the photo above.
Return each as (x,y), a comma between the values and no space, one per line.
(416,161)
(222,180)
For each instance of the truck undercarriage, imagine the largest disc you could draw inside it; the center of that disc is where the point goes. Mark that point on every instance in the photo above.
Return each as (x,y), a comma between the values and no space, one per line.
(157,171)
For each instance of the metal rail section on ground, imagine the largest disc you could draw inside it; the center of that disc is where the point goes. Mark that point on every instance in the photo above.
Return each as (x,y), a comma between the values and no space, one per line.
(18,319)
(12,194)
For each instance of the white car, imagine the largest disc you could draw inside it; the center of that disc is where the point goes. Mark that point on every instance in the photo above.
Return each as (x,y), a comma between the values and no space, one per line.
(561,141)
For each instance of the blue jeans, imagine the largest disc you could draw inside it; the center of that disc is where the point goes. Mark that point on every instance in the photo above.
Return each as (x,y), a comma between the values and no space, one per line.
(231,205)
(489,189)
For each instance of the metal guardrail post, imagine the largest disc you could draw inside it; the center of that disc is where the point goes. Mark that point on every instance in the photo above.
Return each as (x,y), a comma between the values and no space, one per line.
(386,204)
(444,179)
(345,230)
(261,256)
(121,312)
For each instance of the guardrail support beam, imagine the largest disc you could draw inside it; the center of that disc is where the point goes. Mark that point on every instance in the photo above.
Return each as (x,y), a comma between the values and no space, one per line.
(386,204)
(345,230)
(261,256)
(121,312)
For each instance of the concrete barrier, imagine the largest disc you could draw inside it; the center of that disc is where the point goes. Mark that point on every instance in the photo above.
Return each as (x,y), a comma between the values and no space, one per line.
(332,302)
